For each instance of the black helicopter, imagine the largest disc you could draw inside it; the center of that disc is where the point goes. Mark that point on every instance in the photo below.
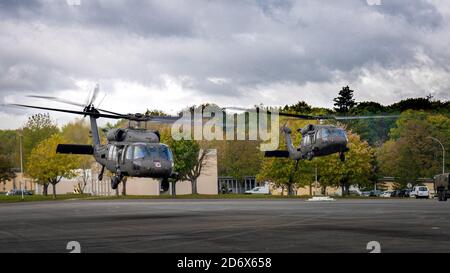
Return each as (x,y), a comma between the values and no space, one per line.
(134,151)
(317,140)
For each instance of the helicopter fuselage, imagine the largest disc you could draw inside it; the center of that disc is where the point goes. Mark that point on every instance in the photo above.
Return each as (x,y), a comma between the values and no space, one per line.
(137,159)
(322,140)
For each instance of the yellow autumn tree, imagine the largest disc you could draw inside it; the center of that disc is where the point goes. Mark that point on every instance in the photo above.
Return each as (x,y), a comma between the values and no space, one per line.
(47,167)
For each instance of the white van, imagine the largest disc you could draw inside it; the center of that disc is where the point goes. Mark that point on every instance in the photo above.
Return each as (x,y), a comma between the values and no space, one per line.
(420,192)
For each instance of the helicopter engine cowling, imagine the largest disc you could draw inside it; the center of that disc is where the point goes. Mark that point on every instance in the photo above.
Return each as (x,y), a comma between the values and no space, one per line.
(307,129)
(133,135)
(116,135)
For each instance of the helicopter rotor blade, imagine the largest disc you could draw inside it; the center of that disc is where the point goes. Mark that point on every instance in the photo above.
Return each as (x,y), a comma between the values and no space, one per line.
(156,119)
(298,116)
(57,99)
(72,103)
(94,94)
(311,117)
(73,111)
(365,117)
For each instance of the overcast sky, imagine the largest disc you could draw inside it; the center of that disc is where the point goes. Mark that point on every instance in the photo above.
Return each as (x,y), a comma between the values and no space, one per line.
(171,54)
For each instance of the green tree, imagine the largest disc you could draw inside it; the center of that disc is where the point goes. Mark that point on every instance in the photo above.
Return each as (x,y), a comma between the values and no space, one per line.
(6,165)
(48,167)
(8,155)
(186,157)
(38,128)
(355,170)
(200,163)
(239,159)
(344,102)
(77,131)
(411,154)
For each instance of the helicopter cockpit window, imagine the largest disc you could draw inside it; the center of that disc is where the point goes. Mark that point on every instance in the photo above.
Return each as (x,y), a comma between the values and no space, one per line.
(129,153)
(165,153)
(306,140)
(338,133)
(152,151)
(112,152)
(325,132)
(341,133)
(139,151)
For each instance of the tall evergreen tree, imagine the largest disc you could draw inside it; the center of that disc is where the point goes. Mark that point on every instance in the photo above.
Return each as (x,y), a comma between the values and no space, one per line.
(344,102)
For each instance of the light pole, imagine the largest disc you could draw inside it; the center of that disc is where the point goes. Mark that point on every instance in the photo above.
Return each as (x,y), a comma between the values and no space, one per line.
(443,152)
(21,164)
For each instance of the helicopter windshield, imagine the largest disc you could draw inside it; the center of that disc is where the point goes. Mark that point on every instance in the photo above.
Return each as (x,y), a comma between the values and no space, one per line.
(340,133)
(332,132)
(152,151)
(165,152)
(336,133)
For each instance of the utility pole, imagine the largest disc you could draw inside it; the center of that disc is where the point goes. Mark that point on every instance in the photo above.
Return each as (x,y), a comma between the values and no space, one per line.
(21,164)
(443,152)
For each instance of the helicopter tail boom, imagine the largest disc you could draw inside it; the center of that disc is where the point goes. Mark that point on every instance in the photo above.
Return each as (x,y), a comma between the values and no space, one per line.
(75,149)
(278,153)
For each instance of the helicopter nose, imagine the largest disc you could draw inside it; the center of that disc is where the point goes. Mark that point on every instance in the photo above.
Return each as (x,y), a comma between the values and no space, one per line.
(160,167)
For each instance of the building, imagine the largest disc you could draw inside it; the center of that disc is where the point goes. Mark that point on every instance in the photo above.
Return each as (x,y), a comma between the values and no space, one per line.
(227,184)
(389,183)
(19,182)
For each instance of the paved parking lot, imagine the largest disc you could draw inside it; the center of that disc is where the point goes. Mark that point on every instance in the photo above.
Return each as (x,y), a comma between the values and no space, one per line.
(226,226)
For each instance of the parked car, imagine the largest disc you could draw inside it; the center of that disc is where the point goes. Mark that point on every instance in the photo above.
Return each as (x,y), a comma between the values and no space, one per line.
(18,192)
(365,193)
(404,193)
(259,190)
(387,194)
(375,193)
(420,192)
(396,193)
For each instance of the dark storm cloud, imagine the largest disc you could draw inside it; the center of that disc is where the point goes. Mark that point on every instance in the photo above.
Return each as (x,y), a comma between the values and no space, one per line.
(213,47)
(136,16)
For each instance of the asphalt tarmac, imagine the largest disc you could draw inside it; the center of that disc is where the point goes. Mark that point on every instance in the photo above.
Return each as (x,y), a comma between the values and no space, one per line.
(269,225)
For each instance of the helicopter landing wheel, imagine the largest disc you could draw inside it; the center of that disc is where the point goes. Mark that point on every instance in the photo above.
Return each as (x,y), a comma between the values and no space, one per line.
(164,186)
(115,181)
(342,156)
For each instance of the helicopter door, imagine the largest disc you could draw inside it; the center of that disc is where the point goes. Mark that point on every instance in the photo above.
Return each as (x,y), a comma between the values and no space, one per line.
(128,160)
(112,158)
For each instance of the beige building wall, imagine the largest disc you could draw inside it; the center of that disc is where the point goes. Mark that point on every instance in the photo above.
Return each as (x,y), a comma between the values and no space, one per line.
(390,186)
(316,191)
(18,182)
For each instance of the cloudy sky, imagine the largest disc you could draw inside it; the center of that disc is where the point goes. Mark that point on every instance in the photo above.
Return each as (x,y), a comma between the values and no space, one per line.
(170,54)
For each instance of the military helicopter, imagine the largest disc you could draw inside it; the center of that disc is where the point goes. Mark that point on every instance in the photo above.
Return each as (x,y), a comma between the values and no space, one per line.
(317,139)
(134,151)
